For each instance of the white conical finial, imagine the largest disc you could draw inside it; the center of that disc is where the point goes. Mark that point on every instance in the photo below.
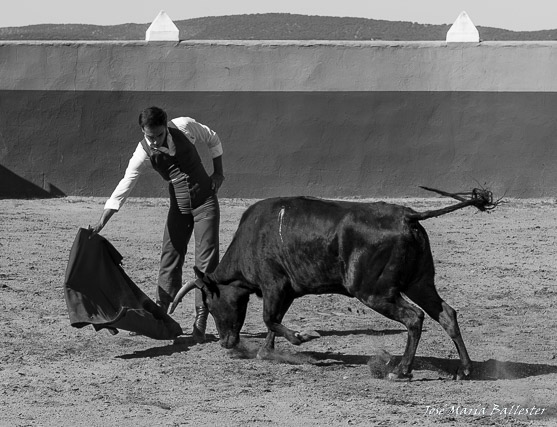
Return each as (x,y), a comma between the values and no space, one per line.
(463,30)
(162,29)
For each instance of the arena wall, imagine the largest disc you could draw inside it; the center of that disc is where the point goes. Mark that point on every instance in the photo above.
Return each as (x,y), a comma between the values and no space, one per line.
(333,119)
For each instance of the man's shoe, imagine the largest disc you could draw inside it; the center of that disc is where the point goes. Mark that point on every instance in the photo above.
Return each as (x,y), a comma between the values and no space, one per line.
(200,324)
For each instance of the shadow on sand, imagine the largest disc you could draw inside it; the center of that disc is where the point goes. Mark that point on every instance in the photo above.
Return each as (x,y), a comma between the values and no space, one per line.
(489,370)
(371,332)
(380,364)
(179,345)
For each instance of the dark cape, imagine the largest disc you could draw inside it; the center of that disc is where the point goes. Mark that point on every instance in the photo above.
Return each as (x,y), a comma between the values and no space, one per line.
(98,292)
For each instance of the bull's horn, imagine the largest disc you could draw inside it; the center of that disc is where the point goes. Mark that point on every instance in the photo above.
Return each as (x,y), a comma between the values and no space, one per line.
(181,293)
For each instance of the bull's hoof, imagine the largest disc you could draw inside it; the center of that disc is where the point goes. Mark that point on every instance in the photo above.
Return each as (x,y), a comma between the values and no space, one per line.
(393,376)
(306,336)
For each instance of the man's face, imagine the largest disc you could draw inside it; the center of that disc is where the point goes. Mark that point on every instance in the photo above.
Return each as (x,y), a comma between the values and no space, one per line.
(155,135)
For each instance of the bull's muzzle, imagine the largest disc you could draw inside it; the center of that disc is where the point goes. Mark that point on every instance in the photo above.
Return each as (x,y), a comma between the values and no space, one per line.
(230,341)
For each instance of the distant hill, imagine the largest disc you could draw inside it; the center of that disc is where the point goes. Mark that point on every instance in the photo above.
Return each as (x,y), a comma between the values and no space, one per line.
(268,26)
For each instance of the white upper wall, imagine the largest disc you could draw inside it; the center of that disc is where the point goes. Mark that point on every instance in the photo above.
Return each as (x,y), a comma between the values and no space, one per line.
(279,66)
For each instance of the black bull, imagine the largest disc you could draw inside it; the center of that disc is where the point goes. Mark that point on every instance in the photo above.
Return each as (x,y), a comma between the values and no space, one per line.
(286,248)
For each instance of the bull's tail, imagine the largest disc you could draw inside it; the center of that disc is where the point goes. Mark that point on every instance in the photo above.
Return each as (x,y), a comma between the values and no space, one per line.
(479,198)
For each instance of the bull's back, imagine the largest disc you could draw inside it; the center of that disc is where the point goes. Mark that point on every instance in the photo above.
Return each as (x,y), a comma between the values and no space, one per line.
(306,241)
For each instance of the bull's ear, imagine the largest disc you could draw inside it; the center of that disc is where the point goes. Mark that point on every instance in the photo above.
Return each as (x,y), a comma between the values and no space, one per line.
(200,284)
(203,281)
(198,272)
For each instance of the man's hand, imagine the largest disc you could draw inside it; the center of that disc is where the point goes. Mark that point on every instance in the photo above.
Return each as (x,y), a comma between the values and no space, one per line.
(106,215)
(217,180)
(96,229)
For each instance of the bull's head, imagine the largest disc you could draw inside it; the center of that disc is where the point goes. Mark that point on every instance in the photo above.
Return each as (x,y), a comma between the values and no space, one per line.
(227,304)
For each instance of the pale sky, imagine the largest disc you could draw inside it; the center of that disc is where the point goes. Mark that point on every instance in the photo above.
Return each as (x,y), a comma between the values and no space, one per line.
(527,15)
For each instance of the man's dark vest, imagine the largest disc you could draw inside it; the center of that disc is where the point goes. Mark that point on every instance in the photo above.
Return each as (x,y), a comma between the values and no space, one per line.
(186,156)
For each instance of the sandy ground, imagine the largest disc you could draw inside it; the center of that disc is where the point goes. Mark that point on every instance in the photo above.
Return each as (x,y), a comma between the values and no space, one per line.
(498,270)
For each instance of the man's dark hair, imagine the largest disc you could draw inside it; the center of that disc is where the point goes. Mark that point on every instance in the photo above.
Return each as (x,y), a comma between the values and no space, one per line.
(153,116)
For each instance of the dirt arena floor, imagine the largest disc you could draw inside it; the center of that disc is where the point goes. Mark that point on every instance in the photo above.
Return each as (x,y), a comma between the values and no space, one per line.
(497,270)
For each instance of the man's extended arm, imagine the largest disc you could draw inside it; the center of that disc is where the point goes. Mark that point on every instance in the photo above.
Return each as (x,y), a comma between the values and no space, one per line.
(135,167)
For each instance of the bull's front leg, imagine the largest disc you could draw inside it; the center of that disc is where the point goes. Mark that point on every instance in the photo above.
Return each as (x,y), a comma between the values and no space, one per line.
(296,338)
(275,307)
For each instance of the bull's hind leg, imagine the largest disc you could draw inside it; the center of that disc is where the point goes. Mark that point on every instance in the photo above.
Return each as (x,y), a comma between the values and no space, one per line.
(425,295)
(397,308)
